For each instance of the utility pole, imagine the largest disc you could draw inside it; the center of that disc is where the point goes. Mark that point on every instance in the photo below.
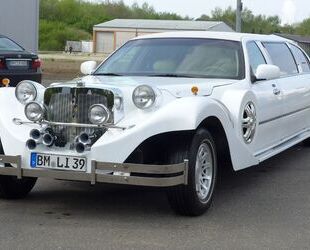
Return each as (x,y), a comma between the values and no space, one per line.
(238,15)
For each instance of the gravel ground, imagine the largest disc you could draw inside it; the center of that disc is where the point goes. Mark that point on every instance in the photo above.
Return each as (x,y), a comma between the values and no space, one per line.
(64,66)
(265,207)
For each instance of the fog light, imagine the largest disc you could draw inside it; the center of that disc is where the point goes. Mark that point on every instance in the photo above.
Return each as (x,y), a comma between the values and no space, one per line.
(34,111)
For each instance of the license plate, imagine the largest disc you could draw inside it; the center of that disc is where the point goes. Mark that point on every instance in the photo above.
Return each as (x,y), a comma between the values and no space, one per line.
(58,162)
(18,63)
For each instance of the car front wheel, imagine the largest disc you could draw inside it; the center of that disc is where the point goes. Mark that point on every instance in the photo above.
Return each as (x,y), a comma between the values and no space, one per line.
(196,197)
(13,188)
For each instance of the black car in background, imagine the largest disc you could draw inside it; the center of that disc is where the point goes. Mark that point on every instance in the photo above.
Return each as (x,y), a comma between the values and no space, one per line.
(17,64)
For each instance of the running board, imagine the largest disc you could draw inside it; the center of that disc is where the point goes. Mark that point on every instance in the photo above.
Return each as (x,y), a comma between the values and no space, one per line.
(283,145)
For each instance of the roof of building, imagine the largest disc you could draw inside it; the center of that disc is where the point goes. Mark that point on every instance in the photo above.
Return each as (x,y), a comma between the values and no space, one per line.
(160,24)
(296,38)
(231,36)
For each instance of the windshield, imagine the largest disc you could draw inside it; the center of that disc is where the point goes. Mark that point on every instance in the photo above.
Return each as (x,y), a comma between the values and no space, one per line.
(8,45)
(177,57)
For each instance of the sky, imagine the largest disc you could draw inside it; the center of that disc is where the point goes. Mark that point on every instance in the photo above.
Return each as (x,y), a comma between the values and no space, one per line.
(290,11)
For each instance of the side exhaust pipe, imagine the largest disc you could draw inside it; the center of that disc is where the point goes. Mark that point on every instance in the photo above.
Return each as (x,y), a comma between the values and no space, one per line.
(48,139)
(81,147)
(85,138)
(31,144)
(35,134)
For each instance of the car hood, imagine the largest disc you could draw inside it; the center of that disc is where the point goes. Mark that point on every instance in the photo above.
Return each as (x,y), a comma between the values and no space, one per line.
(179,87)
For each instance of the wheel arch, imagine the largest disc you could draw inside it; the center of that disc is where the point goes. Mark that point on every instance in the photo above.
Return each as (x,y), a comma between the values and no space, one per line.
(155,149)
(215,127)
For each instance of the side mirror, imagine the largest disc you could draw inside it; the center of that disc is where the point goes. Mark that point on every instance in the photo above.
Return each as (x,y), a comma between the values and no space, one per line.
(267,72)
(88,67)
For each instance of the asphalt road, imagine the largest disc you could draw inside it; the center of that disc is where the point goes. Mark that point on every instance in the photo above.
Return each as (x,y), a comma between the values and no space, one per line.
(265,207)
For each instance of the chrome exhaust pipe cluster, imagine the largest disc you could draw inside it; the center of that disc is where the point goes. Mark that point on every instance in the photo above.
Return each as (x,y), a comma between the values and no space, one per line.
(46,137)
(38,137)
(84,141)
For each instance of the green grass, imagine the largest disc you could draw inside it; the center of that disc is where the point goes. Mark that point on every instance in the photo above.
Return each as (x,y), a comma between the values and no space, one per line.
(53,35)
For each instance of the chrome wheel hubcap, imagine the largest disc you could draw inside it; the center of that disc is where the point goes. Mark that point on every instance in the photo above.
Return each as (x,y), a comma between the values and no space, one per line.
(204,171)
(249,122)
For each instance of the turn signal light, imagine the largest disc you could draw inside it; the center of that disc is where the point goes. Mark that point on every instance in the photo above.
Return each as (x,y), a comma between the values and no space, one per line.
(195,90)
(6,82)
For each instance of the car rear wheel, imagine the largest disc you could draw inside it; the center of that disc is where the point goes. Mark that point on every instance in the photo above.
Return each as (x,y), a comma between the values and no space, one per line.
(195,198)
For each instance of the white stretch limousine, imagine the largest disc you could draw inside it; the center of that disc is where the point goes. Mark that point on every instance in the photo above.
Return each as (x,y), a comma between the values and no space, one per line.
(165,110)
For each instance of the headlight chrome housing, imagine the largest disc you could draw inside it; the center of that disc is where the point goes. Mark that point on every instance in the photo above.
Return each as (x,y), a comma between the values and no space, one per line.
(26,92)
(98,114)
(144,97)
(34,111)
(118,102)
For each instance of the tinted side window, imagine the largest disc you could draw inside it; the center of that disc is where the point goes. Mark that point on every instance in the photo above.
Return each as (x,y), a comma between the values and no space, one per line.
(255,56)
(301,59)
(282,57)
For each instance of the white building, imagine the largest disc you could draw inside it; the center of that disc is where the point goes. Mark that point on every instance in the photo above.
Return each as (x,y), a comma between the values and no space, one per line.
(19,20)
(112,34)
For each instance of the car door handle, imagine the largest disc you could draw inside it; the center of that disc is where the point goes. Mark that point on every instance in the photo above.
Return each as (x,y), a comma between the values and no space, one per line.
(276,91)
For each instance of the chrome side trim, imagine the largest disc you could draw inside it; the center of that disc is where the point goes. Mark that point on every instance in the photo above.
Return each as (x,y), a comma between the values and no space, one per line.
(284,115)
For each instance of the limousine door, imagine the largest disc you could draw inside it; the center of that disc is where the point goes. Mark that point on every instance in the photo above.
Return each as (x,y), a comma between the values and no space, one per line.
(269,98)
(269,111)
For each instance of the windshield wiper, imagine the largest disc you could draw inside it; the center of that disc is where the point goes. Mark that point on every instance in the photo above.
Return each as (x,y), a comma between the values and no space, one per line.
(172,75)
(107,74)
(150,75)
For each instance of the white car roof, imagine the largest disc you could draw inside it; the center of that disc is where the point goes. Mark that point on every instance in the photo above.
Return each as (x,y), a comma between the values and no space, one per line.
(231,36)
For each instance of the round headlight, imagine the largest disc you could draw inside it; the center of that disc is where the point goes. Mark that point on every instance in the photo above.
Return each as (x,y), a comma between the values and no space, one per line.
(98,114)
(34,111)
(143,97)
(25,92)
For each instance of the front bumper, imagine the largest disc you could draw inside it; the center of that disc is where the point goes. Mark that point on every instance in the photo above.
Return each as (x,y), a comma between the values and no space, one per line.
(128,174)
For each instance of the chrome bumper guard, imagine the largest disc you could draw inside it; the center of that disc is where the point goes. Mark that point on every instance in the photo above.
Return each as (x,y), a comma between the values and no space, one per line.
(174,175)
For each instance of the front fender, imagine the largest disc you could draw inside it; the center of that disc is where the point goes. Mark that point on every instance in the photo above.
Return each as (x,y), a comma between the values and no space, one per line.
(180,115)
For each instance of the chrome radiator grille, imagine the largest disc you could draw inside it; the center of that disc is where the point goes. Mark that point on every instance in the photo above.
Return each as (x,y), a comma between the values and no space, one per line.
(71,105)
(60,108)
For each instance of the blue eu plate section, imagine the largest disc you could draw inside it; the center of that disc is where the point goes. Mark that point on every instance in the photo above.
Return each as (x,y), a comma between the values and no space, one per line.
(33,160)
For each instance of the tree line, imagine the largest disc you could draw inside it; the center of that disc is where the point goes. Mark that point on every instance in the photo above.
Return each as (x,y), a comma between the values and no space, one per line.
(62,20)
